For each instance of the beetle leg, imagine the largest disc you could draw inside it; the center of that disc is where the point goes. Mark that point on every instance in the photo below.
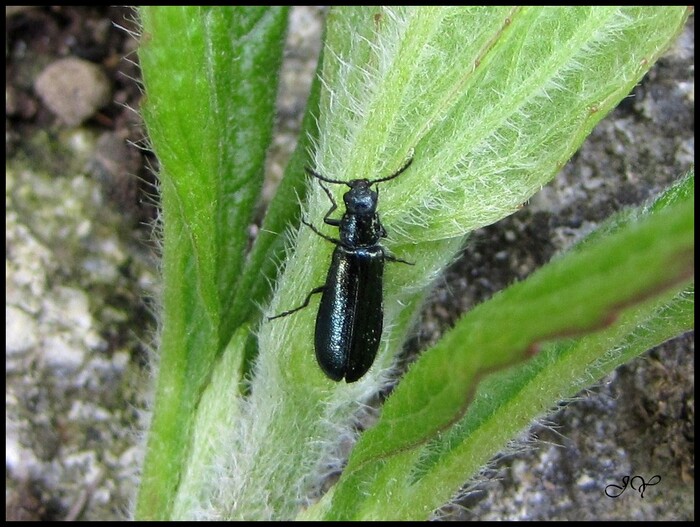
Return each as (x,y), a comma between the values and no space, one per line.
(391,258)
(314,291)
(330,239)
(326,219)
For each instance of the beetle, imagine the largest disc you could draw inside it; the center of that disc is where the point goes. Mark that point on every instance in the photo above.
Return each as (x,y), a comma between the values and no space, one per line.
(351,315)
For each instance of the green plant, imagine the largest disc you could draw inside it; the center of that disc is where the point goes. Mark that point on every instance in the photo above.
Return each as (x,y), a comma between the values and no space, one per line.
(491,102)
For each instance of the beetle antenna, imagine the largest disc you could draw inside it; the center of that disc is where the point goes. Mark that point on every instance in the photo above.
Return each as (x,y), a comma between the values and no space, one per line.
(394,175)
(315,174)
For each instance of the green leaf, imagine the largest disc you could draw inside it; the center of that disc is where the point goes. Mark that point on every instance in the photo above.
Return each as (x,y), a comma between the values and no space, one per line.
(490,104)
(633,283)
(209,112)
(489,110)
(491,101)
(262,264)
(215,416)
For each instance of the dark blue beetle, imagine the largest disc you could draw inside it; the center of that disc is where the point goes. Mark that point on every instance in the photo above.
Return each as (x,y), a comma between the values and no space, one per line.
(351,314)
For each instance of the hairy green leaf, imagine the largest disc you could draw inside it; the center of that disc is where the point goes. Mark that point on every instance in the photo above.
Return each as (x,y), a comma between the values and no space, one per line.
(425,442)
(209,110)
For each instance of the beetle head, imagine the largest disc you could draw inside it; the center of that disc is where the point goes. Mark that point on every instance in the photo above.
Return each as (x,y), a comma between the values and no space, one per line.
(360,199)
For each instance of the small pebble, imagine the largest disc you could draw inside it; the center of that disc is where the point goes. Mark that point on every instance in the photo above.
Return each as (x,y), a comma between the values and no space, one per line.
(73,89)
